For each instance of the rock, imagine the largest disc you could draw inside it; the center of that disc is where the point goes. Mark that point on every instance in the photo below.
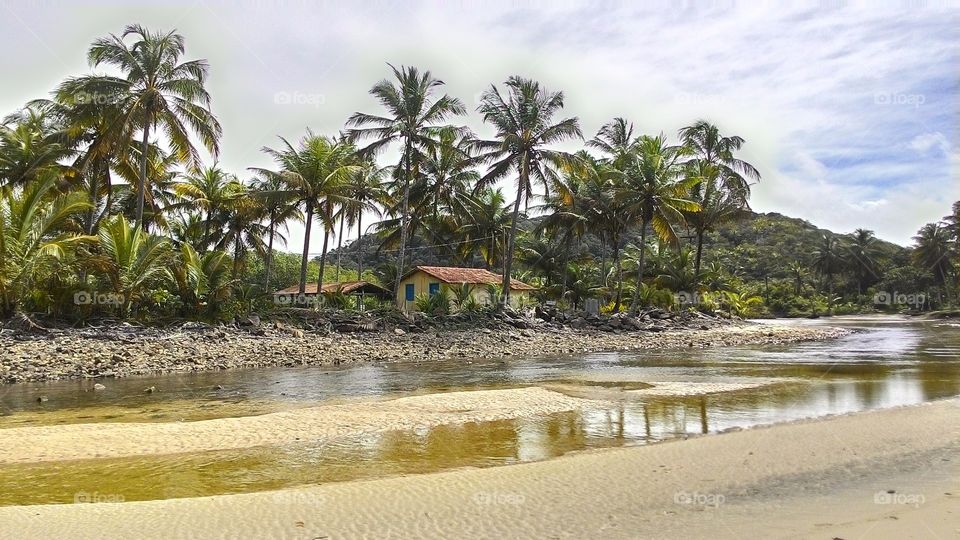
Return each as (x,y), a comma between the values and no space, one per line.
(399,331)
(615,322)
(150,390)
(218,387)
(42,399)
(98,387)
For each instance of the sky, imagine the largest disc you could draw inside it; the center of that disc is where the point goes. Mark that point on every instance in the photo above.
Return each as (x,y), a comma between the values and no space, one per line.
(851,111)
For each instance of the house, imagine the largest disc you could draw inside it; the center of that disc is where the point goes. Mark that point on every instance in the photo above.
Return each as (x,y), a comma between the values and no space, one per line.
(429,279)
(358,289)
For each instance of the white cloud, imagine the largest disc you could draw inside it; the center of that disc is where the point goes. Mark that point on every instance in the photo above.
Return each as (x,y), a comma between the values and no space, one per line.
(800,82)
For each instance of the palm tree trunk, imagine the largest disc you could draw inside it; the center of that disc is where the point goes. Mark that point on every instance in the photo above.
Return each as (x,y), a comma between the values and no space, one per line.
(508,256)
(643,250)
(269,259)
(237,249)
(343,218)
(603,260)
(323,254)
(696,264)
(143,171)
(563,266)
(617,264)
(306,249)
(206,229)
(359,247)
(403,218)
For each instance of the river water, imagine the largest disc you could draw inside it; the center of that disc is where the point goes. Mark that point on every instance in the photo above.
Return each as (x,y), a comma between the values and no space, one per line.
(889,361)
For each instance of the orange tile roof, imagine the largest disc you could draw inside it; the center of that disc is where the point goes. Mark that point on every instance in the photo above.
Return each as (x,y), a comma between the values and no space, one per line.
(345,287)
(476,276)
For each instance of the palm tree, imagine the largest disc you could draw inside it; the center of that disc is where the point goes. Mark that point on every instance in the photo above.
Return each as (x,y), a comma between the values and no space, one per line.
(485,227)
(725,179)
(35,232)
(364,193)
(415,115)
(210,191)
(242,225)
(567,211)
(717,201)
(158,92)
(608,214)
(315,174)
(30,143)
(525,126)
(654,188)
(933,251)
(134,258)
(828,261)
(279,206)
(201,280)
(861,250)
(798,272)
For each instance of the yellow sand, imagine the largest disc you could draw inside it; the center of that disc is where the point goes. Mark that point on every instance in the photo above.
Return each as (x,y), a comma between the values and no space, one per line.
(814,479)
(85,441)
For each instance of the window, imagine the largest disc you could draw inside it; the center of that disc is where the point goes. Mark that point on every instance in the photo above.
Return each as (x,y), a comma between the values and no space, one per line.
(408,292)
(434,288)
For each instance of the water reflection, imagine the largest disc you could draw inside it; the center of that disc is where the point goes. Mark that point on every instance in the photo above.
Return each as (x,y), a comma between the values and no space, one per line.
(889,362)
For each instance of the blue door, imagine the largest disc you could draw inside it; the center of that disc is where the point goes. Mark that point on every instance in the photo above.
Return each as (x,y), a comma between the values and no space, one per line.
(408,292)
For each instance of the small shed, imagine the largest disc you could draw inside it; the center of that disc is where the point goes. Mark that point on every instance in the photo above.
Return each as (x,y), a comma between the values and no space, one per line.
(358,289)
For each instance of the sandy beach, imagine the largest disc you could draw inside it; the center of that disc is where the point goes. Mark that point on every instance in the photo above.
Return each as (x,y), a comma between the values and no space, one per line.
(316,424)
(880,474)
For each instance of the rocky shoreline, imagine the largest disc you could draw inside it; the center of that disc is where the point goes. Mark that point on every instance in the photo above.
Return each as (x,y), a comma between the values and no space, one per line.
(316,339)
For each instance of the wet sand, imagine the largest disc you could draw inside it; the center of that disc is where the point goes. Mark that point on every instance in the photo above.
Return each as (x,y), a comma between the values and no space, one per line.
(883,474)
(315,424)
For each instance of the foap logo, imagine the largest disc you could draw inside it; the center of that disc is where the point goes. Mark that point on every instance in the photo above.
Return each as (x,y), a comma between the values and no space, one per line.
(298,300)
(892,497)
(684,298)
(699,499)
(95,98)
(896,98)
(696,98)
(299,98)
(87,298)
(95,497)
(917,300)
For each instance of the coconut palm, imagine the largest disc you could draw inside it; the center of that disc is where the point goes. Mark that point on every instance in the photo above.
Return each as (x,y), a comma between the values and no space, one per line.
(279,206)
(31,142)
(485,228)
(363,193)
(210,191)
(415,115)
(134,258)
(828,261)
(933,251)
(525,128)
(157,93)
(37,228)
(861,254)
(655,190)
(315,174)
(202,281)
(717,201)
(725,178)
(242,225)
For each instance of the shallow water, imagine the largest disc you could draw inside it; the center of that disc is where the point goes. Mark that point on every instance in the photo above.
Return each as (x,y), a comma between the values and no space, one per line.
(891,361)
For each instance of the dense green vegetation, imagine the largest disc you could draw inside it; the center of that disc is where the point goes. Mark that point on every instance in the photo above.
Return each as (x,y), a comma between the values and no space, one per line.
(107,209)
